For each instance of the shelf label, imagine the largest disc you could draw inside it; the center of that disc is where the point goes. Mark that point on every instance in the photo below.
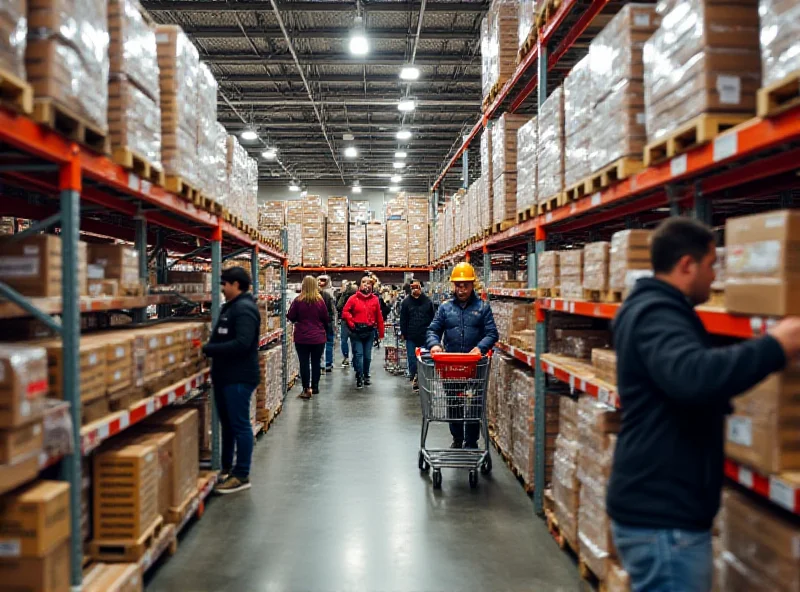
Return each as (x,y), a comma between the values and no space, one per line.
(781,494)
(757,326)
(582,386)
(146,185)
(150,407)
(596,199)
(678,165)
(170,397)
(572,307)
(726,146)
(133,181)
(548,217)
(603,395)
(124,421)
(746,477)
(102,431)
(571,384)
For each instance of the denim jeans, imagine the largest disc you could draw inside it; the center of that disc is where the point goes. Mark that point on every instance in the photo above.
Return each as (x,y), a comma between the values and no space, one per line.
(344,336)
(233,407)
(329,349)
(411,355)
(665,560)
(362,352)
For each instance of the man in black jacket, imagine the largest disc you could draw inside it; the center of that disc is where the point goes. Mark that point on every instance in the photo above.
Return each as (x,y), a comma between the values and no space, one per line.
(416,314)
(344,335)
(675,390)
(324,283)
(233,349)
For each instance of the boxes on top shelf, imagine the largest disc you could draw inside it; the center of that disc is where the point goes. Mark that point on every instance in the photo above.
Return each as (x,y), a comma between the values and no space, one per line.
(703,58)
(359,211)
(206,131)
(527,148)
(504,166)
(397,243)
(220,165)
(762,268)
(337,245)
(629,258)
(550,158)
(487,195)
(780,29)
(358,244)
(376,244)
(13,31)
(294,226)
(571,273)
(548,270)
(418,231)
(578,117)
(595,265)
(499,44)
(526,18)
(119,263)
(313,231)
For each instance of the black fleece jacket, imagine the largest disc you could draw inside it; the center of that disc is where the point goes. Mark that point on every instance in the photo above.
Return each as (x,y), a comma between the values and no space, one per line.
(233,347)
(416,315)
(675,390)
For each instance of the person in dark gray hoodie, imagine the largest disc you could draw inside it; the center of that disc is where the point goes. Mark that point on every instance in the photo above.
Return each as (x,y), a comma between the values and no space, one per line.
(416,314)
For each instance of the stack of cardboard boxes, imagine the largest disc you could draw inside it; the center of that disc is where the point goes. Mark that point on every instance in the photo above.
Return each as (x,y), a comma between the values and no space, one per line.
(313,231)
(571,273)
(578,119)
(499,32)
(595,265)
(550,155)
(418,242)
(113,270)
(629,258)
(13,31)
(294,229)
(527,149)
(548,272)
(524,441)
(566,485)
(486,193)
(338,212)
(376,244)
(207,131)
(504,166)
(397,231)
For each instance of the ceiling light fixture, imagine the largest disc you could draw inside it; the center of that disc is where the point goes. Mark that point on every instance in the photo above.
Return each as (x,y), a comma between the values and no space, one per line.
(406,105)
(269,154)
(249,135)
(400,154)
(399,165)
(394,188)
(356,189)
(293,186)
(359,45)
(396,178)
(409,73)
(403,135)
(351,152)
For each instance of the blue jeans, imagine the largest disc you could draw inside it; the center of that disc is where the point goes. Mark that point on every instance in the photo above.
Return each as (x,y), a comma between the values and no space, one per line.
(411,355)
(233,407)
(329,349)
(665,560)
(344,336)
(362,352)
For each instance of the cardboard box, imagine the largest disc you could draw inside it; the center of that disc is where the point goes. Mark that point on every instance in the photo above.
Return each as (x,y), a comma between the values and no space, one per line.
(166,447)
(22,471)
(32,265)
(35,520)
(49,573)
(23,384)
(113,577)
(595,265)
(92,361)
(119,262)
(629,258)
(376,244)
(17,443)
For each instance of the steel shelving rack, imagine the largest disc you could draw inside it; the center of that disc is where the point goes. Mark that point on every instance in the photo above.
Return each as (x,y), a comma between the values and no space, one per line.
(732,168)
(60,183)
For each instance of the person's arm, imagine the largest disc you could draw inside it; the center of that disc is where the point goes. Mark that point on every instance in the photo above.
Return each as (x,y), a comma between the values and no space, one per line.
(436,329)
(292,314)
(490,333)
(404,318)
(381,327)
(247,328)
(347,313)
(692,374)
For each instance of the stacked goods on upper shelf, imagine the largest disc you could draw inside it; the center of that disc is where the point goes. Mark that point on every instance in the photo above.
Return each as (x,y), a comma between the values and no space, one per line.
(595,266)
(242,191)
(418,247)
(32,265)
(504,166)
(313,231)
(486,196)
(629,259)
(189,282)
(35,522)
(499,32)
(206,131)
(512,317)
(220,165)
(14,29)
(249,212)
(269,392)
(459,217)
(571,273)
(271,219)
(780,27)
(178,63)
(527,148)
(376,244)
(617,76)
(358,244)
(66,58)
(578,118)
(761,267)
(576,337)
(548,272)
(338,213)
(471,203)
(566,486)
(550,156)
(597,429)
(114,269)
(134,108)
(397,231)
(359,211)
(294,229)
(526,16)
(703,59)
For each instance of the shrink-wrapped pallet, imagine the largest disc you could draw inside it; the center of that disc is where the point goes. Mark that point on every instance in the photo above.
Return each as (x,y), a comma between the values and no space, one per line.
(337,231)
(376,244)
(13,31)
(220,165)
(487,193)
(524,441)
(313,231)
(396,211)
(294,229)
(250,209)
(629,258)
(358,244)
(550,159)
(595,265)
(526,18)
(66,57)
(566,486)
(359,211)
(548,273)
(703,58)
(571,273)
(505,408)
(780,30)
(179,64)
(206,130)
(237,176)
(271,219)
(527,148)
(418,231)
(504,166)
(578,117)
(499,52)
(134,120)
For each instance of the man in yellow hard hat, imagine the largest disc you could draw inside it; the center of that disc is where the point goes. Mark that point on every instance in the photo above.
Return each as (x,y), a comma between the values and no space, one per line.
(463,324)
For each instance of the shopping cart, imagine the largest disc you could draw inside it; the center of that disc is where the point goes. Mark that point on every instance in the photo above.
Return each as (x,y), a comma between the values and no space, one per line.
(395,360)
(452,387)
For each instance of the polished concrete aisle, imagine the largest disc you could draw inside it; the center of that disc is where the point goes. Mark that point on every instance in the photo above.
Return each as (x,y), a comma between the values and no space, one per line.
(338,504)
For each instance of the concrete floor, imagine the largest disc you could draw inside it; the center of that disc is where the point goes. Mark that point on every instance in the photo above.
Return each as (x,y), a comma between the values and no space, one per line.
(338,504)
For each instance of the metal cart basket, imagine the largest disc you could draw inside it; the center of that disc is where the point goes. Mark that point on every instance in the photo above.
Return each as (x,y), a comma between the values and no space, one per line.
(452,387)
(395,361)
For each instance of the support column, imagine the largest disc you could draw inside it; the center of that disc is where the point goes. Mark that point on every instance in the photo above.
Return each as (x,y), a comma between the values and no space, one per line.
(531,264)
(254,269)
(283,309)
(70,188)
(216,296)
(162,273)
(465,168)
(540,391)
(487,272)
(140,243)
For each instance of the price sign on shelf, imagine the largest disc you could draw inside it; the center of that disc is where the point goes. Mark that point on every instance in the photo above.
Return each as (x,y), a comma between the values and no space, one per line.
(725,146)
(678,165)
(150,407)
(124,421)
(781,494)
(603,396)
(746,477)
(103,431)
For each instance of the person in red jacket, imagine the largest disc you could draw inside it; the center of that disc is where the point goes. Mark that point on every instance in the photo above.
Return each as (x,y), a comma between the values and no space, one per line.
(362,313)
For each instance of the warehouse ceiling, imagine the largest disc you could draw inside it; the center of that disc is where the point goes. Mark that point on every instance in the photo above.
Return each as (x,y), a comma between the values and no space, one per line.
(286,71)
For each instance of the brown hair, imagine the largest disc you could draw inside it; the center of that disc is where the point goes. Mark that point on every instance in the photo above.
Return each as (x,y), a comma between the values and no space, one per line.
(309,292)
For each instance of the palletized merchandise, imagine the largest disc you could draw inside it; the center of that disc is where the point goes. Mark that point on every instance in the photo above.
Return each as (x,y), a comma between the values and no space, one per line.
(617,78)
(66,58)
(250,209)
(206,130)
(18,443)
(526,16)
(178,63)
(376,244)
(550,159)
(13,30)
(164,443)
(571,273)
(629,258)
(23,384)
(358,244)
(605,365)
(337,245)
(762,266)
(566,486)
(32,265)
(505,410)
(34,520)
(313,231)
(499,50)
(359,211)
(115,262)
(524,428)
(418,229)
(294,227)
(220,165)
(504,143)
(397,243)
(595,265)
(759,547)
(92,363)
(47,573)
(112,577)
(505,198)
(486,196)
(548,272)
(237,176)
(578,117)
(780,30)
(576,342)
(703,58)
(134,120)
(527,149)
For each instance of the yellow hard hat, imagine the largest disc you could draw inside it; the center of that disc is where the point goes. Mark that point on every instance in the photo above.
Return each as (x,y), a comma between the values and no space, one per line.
(463,272)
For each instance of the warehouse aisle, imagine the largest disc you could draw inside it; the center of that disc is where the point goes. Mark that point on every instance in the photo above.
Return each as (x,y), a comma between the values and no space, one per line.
(338,503)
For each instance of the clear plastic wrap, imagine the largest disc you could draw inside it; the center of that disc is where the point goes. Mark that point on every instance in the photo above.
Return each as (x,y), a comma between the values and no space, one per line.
(780,31)
(13,31)
(629,258)
(132,47)
(487,194)
(527,148)
(703,58)
(499,52)
(505,198)
(206,130)
(486,58)
(504,165)
(294,228)
(418,228)
(237,173)
(578,116)
(220,165)
(550,160)
(526,18)
(23,383)
(272,218)
(548,270)
(337,231)
(358,244)
(134,119)
(571,273)
(251,197)
(313,231)
(595,265)
(578,343)
(376,244)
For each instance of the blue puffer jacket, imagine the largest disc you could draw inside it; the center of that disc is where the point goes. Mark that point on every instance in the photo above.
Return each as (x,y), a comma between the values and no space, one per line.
(463,326)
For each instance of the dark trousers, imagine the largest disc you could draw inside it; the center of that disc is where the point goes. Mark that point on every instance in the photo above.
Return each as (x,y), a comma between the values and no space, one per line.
(310,356)
(457,407)
(233,407)
(362,352)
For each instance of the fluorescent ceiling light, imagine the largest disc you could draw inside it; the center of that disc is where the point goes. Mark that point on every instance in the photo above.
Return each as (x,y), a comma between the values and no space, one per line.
(399,165)
(400,154)
(359,45)
(294,186)
(351,152)
(403,135)
(356,189)
(394,188)
(269,154)
(348,137)
(406,105)
(396,178)
(249,135)
(409,73)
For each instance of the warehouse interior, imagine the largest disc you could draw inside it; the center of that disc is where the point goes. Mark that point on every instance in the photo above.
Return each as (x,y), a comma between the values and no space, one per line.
(182,408)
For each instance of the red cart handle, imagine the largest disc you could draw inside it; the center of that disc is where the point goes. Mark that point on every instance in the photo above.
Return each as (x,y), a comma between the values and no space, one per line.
(454,358)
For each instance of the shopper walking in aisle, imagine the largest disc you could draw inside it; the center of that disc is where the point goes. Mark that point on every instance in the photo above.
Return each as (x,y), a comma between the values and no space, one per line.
(362,313)
(675,390)
(348,290)
(325,289)
(233,349)
(463,324)
(309,314)
(416,314)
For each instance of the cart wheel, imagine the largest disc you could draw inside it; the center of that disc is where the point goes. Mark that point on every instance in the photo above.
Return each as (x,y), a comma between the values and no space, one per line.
(486,467)
(422,463)
(473,479)
(437,479)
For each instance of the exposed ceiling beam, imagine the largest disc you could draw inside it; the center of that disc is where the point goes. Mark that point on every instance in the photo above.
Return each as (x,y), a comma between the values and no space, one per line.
(226,32)
(280,100)
(341,59)
(282,126)
(265,6)
(347,78)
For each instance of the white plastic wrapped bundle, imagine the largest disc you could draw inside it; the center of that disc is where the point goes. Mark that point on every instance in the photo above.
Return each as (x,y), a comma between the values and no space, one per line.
(237,176)
(578,96)
(499,53)
(526,15)
(132,48)
(780,35)
(550,160)
(13,30)
(206,128)
(220,166)
(250,206)
(134,120)
(527,148)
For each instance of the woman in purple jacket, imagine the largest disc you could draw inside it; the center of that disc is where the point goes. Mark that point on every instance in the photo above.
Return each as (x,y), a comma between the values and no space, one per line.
(311,327)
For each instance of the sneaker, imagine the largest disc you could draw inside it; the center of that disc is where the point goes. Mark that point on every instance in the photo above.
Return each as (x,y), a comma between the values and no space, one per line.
(415,385)
(471,445)
(367,380)
(345,363)
(232,485)
(305,394)
(359,382)
(329,369)
(223,476)
(315,390)
(457,444)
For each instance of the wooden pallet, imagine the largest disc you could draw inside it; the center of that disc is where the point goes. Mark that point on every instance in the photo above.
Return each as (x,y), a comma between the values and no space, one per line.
(545,12)
(176,514)
(133,161)
(574,192)
(203,202)
(15,92)
(127,551)
(504,225)
(700,130)
(613,173)
(555,530)
(526,214)
(549,204)
(587,575)
(779,96)
(66,122)
(528,45)
(178,185)
(610,296)
(548,292)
